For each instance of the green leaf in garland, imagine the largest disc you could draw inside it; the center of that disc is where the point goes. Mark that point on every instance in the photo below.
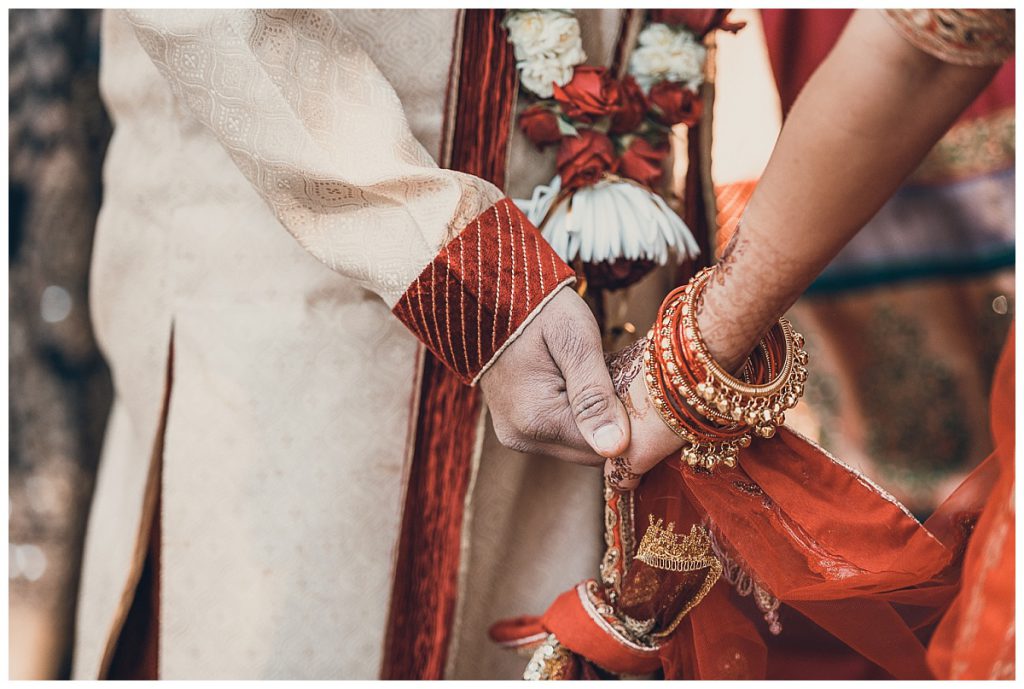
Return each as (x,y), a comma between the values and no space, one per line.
(566,128)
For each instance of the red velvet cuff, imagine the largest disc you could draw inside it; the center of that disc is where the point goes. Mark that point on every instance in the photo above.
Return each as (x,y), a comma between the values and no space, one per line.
(481,288)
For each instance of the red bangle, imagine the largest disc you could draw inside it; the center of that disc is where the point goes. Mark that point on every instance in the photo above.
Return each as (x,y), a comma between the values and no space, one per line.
(702,403)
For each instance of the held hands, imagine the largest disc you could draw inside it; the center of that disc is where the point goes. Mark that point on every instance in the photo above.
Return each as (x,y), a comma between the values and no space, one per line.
(550,391)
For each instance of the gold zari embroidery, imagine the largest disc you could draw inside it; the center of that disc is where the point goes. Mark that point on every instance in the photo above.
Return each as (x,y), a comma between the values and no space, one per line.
(662,548)
(958,36)
(618,536)
(551,660)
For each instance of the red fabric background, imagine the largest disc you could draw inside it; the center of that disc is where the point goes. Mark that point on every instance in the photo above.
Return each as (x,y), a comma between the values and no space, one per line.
(798,41)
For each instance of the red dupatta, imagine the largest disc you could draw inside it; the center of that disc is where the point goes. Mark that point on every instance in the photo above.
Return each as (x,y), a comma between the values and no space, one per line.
(792,525)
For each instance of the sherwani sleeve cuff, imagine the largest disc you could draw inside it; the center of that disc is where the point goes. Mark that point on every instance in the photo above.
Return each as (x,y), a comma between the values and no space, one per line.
(482,289)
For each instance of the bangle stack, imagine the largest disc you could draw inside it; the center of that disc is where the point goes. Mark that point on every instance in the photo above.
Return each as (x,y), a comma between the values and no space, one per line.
(711,410)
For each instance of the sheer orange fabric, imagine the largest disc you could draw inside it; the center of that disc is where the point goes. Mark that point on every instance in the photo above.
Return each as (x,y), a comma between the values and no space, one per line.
(813,534)
(975,639)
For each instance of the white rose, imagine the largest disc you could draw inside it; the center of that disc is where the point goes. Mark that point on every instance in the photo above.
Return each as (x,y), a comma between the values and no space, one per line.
(537,75)
(545,33)
(686,59)
(524,29)
(573,56)
(656,35)
(649,65)
(679,59)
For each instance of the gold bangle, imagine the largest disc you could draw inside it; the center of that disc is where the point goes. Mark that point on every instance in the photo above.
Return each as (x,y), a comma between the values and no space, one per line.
(761,406)
(733,407)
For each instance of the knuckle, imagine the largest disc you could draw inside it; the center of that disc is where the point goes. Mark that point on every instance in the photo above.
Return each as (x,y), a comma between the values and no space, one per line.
(541,420)
(590,403)
(503,432)
(518,443)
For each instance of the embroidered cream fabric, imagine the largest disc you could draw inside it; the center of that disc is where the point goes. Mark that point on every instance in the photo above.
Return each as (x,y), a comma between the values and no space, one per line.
(293,397)
(317,129)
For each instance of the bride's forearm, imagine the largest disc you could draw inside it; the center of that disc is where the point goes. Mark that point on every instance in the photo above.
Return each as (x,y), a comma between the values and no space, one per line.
(864,121)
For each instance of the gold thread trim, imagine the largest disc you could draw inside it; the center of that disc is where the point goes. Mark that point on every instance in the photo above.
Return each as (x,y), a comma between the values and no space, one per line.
(714,572)
(662,548)
(550,661)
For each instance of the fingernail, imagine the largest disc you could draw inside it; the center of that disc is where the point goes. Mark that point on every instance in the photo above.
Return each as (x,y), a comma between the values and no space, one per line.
(607,438)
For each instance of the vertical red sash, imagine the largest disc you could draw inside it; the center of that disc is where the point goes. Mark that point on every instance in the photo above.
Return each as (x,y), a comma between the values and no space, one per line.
(698,203)
(426,582)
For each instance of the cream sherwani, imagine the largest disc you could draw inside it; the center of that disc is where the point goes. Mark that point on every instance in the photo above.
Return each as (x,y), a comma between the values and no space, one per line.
(270,191)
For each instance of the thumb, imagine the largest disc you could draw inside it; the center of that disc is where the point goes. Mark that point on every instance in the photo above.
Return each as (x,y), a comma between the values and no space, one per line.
(596,409)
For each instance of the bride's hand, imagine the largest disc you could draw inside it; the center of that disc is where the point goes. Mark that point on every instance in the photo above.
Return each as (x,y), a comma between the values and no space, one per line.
(651,440)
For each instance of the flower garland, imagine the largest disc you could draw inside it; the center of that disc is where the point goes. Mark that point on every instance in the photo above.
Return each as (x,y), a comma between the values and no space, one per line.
(547,46)
(612,133)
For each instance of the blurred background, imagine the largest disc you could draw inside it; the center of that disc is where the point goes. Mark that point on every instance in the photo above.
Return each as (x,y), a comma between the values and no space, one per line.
(905,326)
(60,389)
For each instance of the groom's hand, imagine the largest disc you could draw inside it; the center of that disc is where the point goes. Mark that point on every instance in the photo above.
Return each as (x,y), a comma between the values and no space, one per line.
(550,392)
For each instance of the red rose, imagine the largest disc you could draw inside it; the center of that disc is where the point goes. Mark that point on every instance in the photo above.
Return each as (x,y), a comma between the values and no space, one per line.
(642,162)
(633,107)
(582,159)
(674,103)
(591,94)
(540,126)
(700,22)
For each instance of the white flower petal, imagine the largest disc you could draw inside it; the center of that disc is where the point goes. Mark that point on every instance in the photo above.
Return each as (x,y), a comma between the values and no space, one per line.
(613,220)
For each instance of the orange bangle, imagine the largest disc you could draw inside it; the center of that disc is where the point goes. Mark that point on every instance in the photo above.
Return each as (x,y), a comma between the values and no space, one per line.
(704,404)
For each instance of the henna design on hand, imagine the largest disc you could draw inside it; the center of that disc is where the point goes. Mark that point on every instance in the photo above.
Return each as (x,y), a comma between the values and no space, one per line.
(753,284)
(733,250)
(623,367)
(621,471)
